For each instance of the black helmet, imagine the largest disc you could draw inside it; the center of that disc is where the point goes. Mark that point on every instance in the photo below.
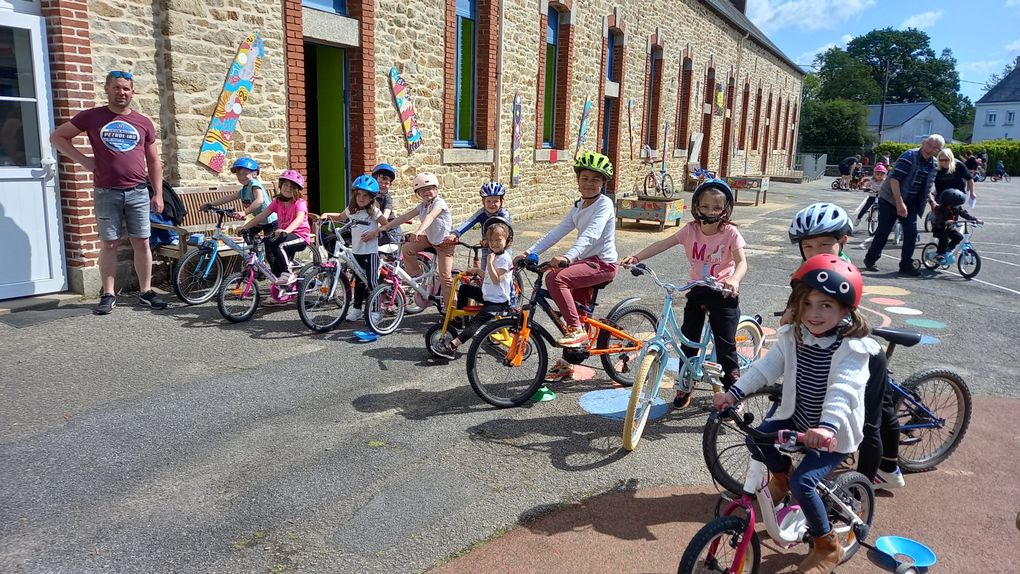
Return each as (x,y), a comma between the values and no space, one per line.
(952,198)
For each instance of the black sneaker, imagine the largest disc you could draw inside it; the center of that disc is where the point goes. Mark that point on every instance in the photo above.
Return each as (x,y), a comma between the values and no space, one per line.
(446,351)
(682,400)
(106,304)
(152,300)
(910,272)
(870,267)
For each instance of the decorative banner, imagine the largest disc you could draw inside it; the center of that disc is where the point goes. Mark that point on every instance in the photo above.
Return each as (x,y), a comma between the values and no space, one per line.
(582,132)
(630,125)
(402,96)
(720,105)
(240,82)
(515,142)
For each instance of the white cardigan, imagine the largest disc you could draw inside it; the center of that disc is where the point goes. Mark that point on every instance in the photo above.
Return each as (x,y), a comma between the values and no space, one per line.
(844,399)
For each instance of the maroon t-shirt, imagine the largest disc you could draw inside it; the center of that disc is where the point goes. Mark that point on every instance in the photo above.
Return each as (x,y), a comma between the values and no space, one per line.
(118,144)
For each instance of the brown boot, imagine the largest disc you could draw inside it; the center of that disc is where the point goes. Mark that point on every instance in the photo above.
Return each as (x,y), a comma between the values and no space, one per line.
(779,486)
(825,555)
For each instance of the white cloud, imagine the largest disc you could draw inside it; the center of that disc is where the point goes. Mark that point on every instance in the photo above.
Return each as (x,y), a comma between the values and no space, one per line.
(774,15)
(923,20)
(981,67)
(809,56)
(1014,46)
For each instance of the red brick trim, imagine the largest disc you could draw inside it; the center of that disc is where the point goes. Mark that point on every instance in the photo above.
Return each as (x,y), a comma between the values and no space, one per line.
(294,44)
(612,151)
(793,137)
(786,122)
(362,80)
(757,119)
(745,101)
(486,106)
(683,102)
(727,141)
(765,144)
(653,94)
(70,53)
(564,77)
(706,118)
(776,124)
(601,102)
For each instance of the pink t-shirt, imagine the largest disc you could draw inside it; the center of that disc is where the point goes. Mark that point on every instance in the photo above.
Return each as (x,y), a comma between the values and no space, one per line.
(118,145)
(710,254)
(286,212)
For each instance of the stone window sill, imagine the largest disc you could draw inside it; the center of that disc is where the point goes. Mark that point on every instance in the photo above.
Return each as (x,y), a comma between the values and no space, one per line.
(468,155)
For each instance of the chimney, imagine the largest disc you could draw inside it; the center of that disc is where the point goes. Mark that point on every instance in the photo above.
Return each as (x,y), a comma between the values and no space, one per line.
(740,5)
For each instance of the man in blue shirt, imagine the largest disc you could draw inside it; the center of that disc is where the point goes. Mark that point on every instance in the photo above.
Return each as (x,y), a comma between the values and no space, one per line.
(902,198)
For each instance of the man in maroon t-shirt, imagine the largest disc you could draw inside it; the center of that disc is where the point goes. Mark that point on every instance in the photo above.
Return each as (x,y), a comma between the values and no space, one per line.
(124,150)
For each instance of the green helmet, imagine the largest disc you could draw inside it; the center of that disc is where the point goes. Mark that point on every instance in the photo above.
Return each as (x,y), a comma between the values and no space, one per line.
(595,162)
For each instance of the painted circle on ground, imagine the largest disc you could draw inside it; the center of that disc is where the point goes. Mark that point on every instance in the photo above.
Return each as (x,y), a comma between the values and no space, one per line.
(885,301)
(929,340)
(903,311)
(926,323)
(612,404)
(885,290)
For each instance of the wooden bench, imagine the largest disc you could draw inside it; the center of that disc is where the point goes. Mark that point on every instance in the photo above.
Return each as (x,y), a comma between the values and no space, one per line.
(757,184)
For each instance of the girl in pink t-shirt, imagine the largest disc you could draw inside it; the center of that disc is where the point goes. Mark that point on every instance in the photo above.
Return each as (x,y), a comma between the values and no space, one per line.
(713,247)
(293,233)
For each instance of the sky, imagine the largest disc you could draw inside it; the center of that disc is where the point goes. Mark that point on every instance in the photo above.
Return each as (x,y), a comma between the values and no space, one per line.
(984,35)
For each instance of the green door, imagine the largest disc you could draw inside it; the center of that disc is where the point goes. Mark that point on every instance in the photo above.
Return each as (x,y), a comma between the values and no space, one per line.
(331,80)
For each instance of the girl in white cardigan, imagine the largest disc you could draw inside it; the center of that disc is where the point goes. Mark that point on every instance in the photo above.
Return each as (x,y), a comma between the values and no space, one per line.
(824,365)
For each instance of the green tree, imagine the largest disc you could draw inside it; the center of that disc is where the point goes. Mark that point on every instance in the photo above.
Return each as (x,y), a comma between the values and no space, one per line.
(996,78)
(835,127)
(843,77)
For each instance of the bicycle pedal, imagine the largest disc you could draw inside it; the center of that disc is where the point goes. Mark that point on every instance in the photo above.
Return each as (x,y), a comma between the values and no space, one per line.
(909,440)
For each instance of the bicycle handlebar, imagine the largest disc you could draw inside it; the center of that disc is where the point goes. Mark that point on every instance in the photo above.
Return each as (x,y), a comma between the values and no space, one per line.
(786,439)
(639,269)
(538,267)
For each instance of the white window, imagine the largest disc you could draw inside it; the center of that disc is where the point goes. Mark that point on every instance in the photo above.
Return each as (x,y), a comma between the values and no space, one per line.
(1010,118)
(990,118)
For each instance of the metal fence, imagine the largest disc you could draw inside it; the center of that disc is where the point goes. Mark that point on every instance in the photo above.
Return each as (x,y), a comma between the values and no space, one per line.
(812,165)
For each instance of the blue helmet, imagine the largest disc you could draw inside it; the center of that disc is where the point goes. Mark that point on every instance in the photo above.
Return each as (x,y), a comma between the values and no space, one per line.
(246,163)
(492,189)
(385,168)
(366,183)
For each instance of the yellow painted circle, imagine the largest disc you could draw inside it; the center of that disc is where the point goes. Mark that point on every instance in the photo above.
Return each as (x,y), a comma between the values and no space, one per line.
(885,290)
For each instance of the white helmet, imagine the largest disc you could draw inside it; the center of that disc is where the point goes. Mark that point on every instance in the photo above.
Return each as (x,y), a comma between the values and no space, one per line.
(820,219)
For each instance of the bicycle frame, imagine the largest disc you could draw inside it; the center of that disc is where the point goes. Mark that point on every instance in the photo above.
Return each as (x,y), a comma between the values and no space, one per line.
(668,335)
(212,247)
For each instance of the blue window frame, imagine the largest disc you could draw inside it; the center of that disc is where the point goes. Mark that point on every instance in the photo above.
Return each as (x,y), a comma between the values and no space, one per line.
(467,78)
(552,38)
(610,48)
(337,6)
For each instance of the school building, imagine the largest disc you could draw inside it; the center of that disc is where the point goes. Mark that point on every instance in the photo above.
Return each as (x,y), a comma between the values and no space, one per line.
(323,103)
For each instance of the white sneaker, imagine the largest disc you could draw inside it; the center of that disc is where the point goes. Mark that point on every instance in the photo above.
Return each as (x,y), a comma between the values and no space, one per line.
(376,318)
(286,278)
(889,480)
(355,314)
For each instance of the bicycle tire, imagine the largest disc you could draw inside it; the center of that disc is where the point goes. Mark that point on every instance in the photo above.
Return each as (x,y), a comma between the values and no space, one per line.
(928,256)
(919,385)
(313,295)
(189,284)
(749,339)
(855,491)
(233,290)
(668,190)
(489,350)
(732,527)
(928,221)
(642,397)
(722,444)
(872,219)
(435,336)
(619,365)
(835,185)
(970,258)
(384,317)
(651,185)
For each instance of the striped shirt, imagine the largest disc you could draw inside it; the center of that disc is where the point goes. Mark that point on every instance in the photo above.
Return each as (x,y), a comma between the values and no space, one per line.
(813,364)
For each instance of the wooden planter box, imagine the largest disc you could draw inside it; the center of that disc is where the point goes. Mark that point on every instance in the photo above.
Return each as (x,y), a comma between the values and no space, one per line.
(759,186)
(660,211)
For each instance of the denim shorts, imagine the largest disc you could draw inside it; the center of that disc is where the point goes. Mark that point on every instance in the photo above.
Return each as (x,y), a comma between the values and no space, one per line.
(116,208)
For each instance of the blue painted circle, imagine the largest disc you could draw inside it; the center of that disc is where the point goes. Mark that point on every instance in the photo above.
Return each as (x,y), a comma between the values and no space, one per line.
(929,340)
(612,404)
(926,323)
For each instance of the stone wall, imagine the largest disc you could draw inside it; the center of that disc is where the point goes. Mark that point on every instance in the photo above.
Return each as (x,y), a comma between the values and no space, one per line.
(180,51)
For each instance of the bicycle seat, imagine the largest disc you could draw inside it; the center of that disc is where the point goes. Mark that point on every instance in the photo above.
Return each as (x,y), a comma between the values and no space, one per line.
(898,336)
(600,286)
(389,248)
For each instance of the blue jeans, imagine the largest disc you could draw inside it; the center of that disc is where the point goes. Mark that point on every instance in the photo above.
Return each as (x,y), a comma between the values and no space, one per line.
(815,466)
(887,218)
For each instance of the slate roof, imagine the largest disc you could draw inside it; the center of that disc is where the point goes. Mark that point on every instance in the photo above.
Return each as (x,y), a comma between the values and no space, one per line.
(1007,90)
(741,22)
(895,114)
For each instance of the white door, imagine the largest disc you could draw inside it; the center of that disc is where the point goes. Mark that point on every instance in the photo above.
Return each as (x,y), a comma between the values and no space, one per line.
(31,251)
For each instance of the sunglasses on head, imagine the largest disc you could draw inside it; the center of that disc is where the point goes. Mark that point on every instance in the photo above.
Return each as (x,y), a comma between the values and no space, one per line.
(119,74)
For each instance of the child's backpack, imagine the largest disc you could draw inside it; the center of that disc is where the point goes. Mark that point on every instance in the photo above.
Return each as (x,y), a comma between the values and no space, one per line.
(173,207)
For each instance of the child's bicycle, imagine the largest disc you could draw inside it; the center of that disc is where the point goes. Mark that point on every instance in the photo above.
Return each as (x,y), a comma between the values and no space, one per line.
(657,183)
(965,256)
(1004,176)
(667,342)
(508,358)
(855,183)
(933,407)
(388,302)
(730,543)
(871,215)
(240,295)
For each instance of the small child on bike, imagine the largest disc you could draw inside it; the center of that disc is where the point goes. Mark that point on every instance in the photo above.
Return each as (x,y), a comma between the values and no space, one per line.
(494,294)
(492,193)
(434,214)
(948,210)
(824,228)
(294,232)
(253,196)
(365,215)
(386,174)
(871,185)
(714,247)
(590,261)
(822,357)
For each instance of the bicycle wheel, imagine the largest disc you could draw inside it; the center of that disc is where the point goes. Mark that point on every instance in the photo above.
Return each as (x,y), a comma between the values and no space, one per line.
(435,337)
(635,321)
(714,548)
(642,396)
(928,256)
(835,185)
(239,297)
(319,311)
(749,341)
(722,444)
(651,185)
(969,263)
(857,492)
(872,219)
(933,432)
(504,368)
(668,191)
(198,276)
(928,221)
(385,308)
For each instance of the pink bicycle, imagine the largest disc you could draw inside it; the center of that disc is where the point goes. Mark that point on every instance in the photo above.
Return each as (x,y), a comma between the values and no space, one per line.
(730,543)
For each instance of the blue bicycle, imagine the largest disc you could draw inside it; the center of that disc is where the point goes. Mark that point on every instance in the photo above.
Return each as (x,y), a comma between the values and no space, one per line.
(656,353)
(965,256)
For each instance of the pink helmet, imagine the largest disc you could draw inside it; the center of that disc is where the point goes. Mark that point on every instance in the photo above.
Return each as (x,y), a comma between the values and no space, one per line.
(294,177)
(424,179)
(880,168)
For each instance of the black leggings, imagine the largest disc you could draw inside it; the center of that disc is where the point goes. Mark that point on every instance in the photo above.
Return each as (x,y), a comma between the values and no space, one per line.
(723,316)
(370,265)
(281,248)
(881,443)
(488,311)
(948,238)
